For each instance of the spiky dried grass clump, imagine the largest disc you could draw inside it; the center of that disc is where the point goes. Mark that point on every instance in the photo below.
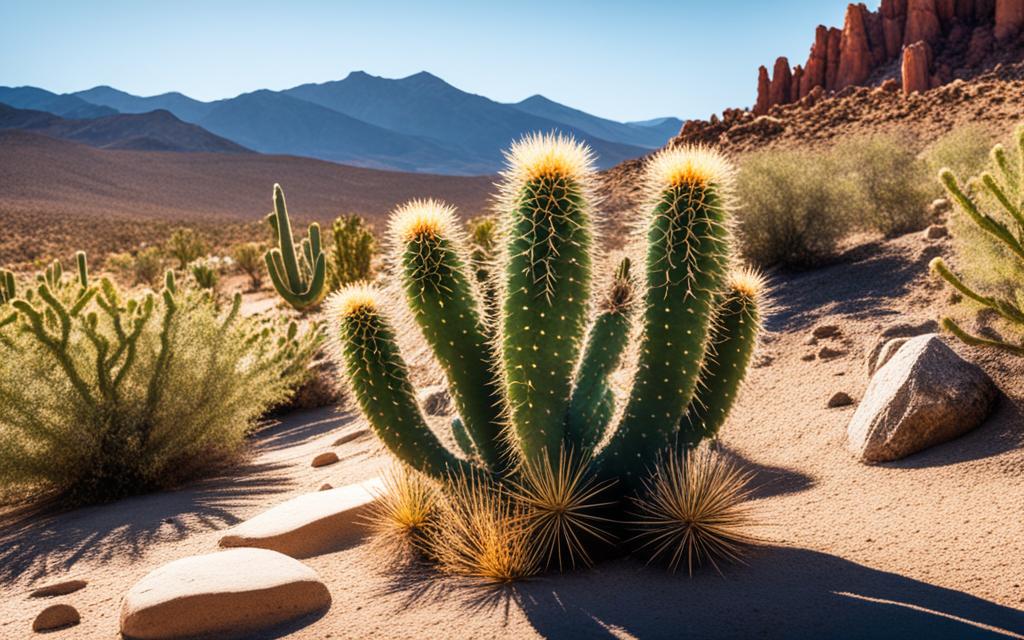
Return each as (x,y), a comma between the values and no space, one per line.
(694,508)
(403,511)
(561,506)
(481,533)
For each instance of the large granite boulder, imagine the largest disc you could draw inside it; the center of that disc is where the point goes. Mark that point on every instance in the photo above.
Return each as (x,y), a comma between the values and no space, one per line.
(230,594)
(924,395)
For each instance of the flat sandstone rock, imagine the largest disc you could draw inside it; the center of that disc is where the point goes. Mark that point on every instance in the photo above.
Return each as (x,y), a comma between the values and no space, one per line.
(228,594)
(923,396)
(310,524)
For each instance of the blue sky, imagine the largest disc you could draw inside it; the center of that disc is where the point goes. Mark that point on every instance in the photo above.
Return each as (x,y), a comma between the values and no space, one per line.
(623,60)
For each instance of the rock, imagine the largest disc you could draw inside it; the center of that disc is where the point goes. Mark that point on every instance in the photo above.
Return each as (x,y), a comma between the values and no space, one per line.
(782,83)
(56,616)
(58,589)
(856,61)
(814,70)
(324,459)
(807,357)
(1009,18)
(327,486)
(894,18)
(925,395)
(228,594)
(982,39)
(939,207)
(888,350)
(916,68)
(436,401)
(937,231)
(902,330)
(835,37)
(825,331)
(889,85)
(828,353)
(355,434)
(763,86)
(922,22)
(310,524)
(840,399)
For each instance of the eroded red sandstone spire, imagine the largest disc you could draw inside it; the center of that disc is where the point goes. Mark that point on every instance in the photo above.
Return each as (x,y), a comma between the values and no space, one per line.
(922,22)
(916,67)
(1009,18)
(855,59)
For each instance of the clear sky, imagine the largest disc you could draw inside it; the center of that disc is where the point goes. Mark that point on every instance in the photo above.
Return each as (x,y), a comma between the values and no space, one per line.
(626,60)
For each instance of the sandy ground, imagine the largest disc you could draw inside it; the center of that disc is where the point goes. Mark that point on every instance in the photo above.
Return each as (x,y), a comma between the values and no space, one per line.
(930,547)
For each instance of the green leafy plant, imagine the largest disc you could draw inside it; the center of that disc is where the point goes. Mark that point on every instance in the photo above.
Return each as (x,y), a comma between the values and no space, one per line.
(300,284)
(994,204)
(352,249)
(145,266)
(106,395)
(186,245)
(540,440)
(248,256)
(205,273)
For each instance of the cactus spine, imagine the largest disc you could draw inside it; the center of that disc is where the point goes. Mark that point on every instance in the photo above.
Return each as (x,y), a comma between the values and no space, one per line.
(1009,193)
(301,286)
(440,292)
(547,220)
(687,259)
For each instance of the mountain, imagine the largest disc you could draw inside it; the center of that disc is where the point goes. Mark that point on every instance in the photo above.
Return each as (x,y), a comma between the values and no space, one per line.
(186,108)
(272,122)
(64,105)
(665,126)
(153,131)
(651,137)
(425,105)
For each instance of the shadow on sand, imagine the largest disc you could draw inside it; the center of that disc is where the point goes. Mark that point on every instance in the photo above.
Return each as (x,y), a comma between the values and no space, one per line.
(782,593)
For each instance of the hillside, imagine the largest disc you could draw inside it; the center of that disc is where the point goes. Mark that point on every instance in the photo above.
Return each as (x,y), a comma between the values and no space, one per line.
(64,105)
(645,134)
(61,195)
(153,131)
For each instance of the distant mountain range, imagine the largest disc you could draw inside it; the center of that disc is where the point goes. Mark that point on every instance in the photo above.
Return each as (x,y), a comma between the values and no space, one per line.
(419,123)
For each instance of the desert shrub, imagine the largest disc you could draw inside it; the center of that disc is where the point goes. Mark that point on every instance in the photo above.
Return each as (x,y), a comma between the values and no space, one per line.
(249,258)
(352,248)
(145,266)
(988,231)
(186,245)
(483,254)
(104,395)
(891,184)
(795,207)
(964,151)
(205,273)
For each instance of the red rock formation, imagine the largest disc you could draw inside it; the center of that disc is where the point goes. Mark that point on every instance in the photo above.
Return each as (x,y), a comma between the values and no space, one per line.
(835,37)
(855,60)
(782,83)
(946,10)
(814,72)
(763,84)
(794,92)
(1009,18)
(894,18)
(922,22)
(915,68)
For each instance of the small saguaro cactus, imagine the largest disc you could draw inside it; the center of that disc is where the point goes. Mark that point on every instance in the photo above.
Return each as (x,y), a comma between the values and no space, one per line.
(533,374)
(1006,228)
(301,285)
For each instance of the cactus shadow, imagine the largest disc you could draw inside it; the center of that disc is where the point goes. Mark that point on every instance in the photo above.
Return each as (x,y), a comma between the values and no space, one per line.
(782,593)
(41,541)
(767,481)
(299,427)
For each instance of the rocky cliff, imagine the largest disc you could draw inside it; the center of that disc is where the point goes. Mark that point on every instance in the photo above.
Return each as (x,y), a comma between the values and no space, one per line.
(920,43)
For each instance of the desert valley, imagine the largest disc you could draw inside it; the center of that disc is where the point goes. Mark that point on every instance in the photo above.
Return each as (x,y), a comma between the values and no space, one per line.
(506,369)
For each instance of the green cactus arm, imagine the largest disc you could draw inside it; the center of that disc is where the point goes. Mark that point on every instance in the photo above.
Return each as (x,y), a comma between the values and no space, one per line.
(1005,308)
(687,259)
(83,269)
(441,294)
(987,223)
(1000,194)
(379,379)
(593,401)
(462,438)
(731,345)
(547,221)
(283,265)
(978,341)
(284,234)
(56,349)
(8,286)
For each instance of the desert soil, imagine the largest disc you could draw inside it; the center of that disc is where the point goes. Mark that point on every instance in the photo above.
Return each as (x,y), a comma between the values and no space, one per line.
(929,547)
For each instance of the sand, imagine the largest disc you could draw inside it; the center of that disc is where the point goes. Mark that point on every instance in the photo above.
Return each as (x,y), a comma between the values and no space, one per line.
(929,547)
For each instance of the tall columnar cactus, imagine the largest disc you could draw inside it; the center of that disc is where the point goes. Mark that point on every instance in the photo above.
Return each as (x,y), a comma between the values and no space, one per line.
(301,285)
(1007,230)
(533,376)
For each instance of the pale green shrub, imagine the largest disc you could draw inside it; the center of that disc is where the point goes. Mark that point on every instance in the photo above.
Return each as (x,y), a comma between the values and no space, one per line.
(352,249)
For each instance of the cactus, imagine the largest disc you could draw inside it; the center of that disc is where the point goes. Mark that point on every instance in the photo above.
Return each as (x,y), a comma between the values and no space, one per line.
(1008,191)
(8,287)
(352,247)
(301,285)
(531,377)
